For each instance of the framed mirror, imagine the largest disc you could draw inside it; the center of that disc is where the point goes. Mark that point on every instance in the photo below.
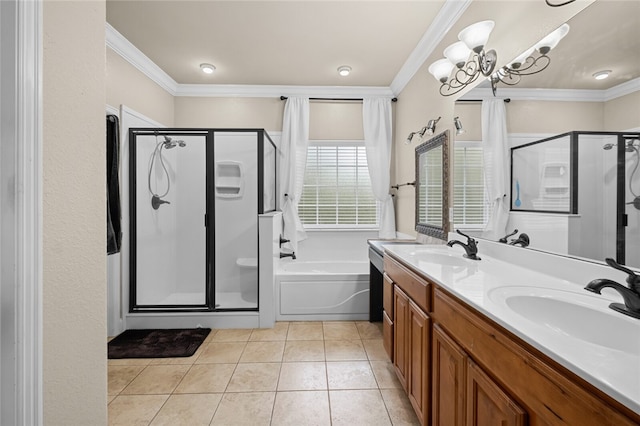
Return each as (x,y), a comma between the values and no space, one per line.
(432,183)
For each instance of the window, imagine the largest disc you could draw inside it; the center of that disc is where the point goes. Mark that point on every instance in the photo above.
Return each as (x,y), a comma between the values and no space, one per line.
(337,190)
(470,207)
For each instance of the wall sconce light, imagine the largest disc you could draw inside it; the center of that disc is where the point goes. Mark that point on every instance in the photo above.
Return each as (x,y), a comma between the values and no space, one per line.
(429,129)
(467,69)
(431,126)
(458,124)
(527,63)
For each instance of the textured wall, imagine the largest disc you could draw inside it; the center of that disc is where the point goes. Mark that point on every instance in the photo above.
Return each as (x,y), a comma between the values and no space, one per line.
(74,246)
(128,86)
(622,113)
(261,113)
(417,104)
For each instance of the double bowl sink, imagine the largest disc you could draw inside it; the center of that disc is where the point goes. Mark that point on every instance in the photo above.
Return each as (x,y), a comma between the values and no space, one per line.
(570,312)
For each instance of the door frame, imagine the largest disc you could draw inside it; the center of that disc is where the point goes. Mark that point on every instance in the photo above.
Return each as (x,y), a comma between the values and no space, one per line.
(21,394)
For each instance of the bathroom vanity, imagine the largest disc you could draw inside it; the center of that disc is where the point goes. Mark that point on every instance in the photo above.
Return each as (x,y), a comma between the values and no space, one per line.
(468,349)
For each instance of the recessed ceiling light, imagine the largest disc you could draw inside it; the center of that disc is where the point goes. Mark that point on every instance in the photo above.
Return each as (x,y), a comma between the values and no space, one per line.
(344,70)
(601,75)
(207,68)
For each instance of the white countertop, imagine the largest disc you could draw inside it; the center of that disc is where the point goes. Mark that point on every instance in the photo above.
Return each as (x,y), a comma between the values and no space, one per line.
(486,284)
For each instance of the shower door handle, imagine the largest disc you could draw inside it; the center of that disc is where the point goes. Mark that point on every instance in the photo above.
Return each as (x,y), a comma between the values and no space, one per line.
(206,221)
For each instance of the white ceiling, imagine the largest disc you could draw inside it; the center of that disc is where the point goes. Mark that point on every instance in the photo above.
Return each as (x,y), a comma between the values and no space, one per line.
(302,43)
(276,42)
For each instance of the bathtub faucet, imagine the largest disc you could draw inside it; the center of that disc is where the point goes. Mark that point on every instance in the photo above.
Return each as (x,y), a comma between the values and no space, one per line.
(292,255)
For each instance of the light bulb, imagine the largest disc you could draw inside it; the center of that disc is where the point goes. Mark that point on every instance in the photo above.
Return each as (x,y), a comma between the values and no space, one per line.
(344,70)
(475,36)
(207,68)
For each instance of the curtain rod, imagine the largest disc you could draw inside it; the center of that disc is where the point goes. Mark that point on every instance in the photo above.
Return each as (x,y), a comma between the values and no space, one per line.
(284,98)
(506,100)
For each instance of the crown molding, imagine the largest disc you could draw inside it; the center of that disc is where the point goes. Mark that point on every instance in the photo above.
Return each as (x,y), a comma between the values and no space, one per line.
(448,15)
(623,89)
(275,91)
(123,47)
(558,95)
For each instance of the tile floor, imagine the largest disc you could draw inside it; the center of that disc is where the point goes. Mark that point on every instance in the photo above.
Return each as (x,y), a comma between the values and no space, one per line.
(297,373)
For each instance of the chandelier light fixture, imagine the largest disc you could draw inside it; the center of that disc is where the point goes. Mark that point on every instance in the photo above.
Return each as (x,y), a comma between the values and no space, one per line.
(531,61)
(465,60)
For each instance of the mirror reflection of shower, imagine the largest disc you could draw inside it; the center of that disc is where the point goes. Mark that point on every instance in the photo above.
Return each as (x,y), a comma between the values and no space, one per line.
(631,145)
(168,143)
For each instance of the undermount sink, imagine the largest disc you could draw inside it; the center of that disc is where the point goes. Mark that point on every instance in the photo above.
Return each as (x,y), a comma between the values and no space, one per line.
(572,315)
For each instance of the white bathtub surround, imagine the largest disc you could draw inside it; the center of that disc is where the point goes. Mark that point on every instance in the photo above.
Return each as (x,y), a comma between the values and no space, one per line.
(270,229)
(329,280)
(322,290)
(377,122)
(587,337)
(335,245)
(293,159)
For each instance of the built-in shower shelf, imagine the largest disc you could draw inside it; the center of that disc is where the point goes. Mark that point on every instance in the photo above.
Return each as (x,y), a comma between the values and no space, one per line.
(247,262)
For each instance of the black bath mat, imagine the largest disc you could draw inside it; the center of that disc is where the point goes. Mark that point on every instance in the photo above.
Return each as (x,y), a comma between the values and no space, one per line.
(169,343)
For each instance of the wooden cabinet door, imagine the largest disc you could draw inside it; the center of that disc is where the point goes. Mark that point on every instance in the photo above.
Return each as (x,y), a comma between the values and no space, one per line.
(400,338)
(387,335)
(419,362)
(487,404)
(448,380)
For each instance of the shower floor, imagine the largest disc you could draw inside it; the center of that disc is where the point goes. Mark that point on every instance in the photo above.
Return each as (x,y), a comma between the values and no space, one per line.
(235,300)
(196,298)
(224,300)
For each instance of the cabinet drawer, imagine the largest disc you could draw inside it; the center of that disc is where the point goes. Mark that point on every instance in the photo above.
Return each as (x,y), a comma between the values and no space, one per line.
(387,334)
(387,295)
(418,289)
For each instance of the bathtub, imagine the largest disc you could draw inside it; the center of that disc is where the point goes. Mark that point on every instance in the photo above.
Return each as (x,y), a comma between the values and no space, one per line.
(322,290)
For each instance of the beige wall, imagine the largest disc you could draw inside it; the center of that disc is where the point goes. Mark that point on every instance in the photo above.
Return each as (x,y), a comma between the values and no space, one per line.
(74,238)
(417,104)
(535,117)
(126,85)
(554,117)
(622,113)
(260,113)
(335,120)
(327,120)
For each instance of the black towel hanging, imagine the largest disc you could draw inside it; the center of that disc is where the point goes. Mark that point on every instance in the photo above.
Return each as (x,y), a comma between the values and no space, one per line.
(114,230)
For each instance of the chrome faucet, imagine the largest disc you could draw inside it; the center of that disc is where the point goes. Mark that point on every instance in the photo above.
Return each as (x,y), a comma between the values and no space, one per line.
(471,247)
(292,255)
(630,295)
(522,240)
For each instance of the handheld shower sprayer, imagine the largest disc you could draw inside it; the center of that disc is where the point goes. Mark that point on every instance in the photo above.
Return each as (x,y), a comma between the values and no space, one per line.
(168,143)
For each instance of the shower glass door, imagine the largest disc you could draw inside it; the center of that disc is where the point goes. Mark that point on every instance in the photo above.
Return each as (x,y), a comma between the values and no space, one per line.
(632,200)
(169,267)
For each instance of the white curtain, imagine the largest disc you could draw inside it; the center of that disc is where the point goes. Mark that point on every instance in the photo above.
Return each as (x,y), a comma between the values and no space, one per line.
(376,120)
(496,166)
(293,160)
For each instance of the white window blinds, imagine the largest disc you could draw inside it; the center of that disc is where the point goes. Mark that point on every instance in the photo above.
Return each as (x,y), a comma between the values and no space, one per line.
(470,207)
(337,190)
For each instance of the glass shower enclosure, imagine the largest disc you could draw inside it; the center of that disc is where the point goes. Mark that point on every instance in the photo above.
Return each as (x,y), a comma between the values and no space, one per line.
(593,176)
(195,197)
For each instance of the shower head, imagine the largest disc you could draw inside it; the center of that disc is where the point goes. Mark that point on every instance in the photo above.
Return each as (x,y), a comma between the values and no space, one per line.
(608,146)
